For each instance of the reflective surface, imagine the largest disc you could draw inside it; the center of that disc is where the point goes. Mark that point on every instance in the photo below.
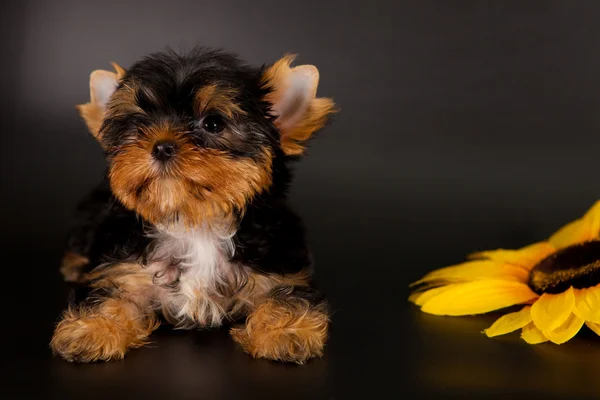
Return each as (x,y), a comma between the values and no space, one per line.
(462,128)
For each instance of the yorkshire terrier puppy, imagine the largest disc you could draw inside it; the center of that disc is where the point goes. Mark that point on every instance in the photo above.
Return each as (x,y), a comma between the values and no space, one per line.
(191,224)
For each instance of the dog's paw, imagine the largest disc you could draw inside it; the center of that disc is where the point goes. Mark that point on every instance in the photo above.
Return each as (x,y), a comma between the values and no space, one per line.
(100,334)
(283,332)
(88,339)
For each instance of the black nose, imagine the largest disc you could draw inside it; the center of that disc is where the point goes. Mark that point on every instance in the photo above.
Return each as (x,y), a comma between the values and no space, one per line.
(163,151)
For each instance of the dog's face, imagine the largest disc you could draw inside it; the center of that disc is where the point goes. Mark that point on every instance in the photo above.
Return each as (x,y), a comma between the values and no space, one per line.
(193,137)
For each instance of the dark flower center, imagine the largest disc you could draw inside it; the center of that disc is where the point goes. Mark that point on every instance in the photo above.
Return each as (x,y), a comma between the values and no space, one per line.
(577,266)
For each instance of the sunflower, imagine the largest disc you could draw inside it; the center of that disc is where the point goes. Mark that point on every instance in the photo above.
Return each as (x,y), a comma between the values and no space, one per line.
(557,281)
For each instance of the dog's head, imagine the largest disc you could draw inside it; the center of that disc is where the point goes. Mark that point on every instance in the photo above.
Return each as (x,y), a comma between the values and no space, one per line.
(195,136)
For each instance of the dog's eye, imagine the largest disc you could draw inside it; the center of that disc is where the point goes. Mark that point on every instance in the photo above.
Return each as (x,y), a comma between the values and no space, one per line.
(213,124)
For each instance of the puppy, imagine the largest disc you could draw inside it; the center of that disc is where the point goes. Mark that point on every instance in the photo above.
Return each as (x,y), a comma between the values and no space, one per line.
(191,224)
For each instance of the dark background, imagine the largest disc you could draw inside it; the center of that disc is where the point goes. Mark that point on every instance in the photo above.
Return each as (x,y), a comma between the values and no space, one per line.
(464,126)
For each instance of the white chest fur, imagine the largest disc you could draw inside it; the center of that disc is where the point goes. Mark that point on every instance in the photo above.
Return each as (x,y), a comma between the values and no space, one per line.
(202,255)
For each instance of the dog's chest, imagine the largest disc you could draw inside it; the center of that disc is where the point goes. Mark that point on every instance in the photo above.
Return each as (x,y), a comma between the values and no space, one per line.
(201,258)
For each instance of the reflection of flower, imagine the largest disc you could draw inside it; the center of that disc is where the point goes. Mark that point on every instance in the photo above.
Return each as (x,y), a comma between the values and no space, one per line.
(558,280)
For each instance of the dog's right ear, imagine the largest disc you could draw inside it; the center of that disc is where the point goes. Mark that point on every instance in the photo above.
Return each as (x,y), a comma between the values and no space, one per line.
(102,85)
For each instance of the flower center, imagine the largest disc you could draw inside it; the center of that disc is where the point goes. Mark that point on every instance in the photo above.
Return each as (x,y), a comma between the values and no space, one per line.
(577,266)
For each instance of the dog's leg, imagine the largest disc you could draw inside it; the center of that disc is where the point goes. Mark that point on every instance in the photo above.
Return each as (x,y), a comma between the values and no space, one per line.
(91,211)
(117,315)
(290,324)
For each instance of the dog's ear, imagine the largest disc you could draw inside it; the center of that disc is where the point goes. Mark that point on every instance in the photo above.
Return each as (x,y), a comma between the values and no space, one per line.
(102,85)
(292,94)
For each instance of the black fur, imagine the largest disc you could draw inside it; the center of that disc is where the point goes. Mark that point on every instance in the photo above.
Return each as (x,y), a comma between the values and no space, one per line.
(169,83)
(104,230)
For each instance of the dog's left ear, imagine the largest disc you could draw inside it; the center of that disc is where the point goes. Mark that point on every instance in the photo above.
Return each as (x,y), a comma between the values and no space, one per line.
(102,85)
(292,94)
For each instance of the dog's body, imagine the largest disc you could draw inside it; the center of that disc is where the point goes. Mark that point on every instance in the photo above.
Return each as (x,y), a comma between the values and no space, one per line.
(191,223)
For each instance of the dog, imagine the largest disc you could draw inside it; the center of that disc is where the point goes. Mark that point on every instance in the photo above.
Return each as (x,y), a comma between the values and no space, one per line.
(191,225)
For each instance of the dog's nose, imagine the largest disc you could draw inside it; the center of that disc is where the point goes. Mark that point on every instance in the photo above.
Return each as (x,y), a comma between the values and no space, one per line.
(163,151)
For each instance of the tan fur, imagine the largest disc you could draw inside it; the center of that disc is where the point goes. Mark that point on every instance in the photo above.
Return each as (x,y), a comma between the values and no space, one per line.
(214,98)
(71,266)
(103,331)
(123,102)
(134,281)
(257,288)
(200,183)
(91,112)
(119,70)
(294,137)
(93,117)
(290,330)
(105,327)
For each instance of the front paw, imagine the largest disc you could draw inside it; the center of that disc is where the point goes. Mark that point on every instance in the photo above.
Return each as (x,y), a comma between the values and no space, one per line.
(82,338)
(289,332)
(101,332)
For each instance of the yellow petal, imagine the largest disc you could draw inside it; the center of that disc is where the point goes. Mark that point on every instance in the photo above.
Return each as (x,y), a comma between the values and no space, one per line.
(527,256)
(509,322)
(414,296)
(422,297)
(587,304)
(593,217)
(566,331)
(594,327)
(578,231)
(476,270)
(551,310)
(533,335)
(478,297)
